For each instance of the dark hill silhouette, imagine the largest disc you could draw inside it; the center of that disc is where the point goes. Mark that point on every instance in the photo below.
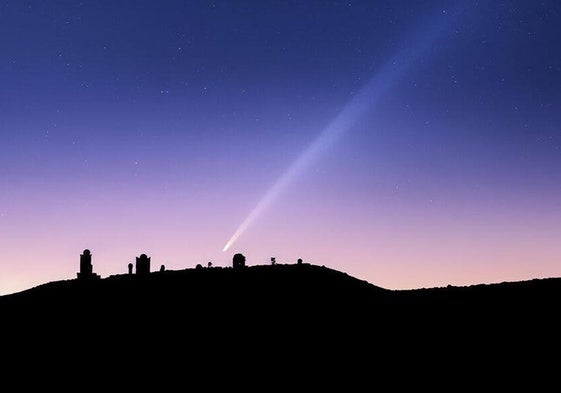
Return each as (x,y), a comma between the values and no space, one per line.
(285,295)
(275,292)
(307,313)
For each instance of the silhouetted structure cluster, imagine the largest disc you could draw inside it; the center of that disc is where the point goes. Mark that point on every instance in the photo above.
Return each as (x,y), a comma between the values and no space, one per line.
(143,265)
(86,268)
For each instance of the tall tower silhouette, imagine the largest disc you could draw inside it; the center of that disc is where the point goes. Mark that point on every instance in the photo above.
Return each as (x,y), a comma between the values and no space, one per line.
(86,268)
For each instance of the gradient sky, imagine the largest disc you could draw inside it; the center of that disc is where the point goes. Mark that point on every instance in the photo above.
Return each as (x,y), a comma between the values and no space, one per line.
(156,127)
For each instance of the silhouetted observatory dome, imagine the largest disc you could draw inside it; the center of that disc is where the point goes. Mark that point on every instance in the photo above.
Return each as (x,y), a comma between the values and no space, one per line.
(238,260)
(86,252)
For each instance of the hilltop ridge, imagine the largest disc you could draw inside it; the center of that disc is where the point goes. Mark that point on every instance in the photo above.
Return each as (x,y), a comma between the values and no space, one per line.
(269,311)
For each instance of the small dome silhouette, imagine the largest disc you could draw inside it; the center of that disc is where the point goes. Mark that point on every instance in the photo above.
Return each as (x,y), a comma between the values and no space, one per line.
(143,256)
(87,252)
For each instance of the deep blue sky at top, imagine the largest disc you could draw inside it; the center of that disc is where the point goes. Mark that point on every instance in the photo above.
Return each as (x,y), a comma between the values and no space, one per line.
(147,68)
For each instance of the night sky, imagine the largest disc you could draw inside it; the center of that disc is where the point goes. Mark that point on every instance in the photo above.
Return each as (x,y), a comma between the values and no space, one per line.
(157,127)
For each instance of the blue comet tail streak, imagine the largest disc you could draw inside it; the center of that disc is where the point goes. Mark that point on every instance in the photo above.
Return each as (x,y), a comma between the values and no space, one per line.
(365,99)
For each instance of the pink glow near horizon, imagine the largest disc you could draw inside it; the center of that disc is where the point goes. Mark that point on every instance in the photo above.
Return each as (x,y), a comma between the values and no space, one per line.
(393,246)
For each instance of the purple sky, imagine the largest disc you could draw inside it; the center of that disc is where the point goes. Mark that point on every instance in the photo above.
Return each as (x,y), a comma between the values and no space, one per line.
(156,127)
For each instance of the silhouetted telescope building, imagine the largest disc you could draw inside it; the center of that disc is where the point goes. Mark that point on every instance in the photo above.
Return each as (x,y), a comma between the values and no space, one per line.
(86,268)
(142,264)
(238,261)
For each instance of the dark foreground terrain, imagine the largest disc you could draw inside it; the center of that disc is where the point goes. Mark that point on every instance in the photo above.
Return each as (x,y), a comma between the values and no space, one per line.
(298,315)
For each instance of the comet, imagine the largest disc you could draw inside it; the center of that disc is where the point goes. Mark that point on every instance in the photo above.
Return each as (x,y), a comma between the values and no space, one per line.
(364,100)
